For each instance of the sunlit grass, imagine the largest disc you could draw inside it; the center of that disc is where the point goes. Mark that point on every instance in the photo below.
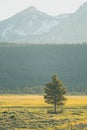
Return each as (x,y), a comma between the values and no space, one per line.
(38,100)
(24,100)
(76,101)
(23,112)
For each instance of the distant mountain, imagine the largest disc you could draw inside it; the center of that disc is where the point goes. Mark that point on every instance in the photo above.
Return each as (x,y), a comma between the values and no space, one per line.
(26,24)
(73,29)
(33,26)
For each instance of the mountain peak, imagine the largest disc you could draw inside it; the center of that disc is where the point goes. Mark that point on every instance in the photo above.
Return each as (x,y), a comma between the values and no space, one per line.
(32,9)
(84,5)
(82,8)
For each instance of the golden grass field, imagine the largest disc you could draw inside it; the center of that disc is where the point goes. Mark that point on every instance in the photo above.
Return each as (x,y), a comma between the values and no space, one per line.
(38,100)
(29,112)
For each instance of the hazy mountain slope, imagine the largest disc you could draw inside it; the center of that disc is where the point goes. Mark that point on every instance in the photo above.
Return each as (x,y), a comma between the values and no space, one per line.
(33,26)
(26,24)
(73,29)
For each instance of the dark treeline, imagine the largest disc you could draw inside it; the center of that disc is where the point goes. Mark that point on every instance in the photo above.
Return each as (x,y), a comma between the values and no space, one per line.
(40,90)
(23,90)
(34,65)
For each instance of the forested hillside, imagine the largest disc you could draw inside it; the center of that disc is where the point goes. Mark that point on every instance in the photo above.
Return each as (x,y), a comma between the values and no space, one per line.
(34,65)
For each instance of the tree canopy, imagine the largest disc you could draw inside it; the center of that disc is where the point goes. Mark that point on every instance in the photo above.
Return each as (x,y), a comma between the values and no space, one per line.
(55,92)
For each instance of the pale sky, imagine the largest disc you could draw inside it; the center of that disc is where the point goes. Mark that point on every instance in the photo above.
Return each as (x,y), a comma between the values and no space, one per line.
(9,8)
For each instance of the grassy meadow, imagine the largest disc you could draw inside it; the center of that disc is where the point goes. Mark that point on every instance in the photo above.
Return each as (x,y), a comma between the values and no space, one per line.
(30,112)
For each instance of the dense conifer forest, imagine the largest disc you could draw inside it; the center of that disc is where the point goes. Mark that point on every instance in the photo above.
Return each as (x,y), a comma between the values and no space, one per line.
(27,68)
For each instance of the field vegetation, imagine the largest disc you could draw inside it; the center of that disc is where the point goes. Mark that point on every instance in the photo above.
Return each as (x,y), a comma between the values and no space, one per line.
(30,112)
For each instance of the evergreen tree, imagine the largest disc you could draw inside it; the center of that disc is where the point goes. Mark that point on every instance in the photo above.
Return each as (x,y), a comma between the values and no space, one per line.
(55,92)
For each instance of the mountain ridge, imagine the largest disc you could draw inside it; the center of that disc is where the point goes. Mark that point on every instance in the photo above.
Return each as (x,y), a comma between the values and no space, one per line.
(33,26)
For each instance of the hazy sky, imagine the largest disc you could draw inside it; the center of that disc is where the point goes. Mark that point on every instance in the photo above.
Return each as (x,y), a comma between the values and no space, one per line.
(52,7)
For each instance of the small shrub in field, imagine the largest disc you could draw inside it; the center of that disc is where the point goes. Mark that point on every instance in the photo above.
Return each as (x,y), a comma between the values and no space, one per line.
(76,113)
(4,112)
(12,117)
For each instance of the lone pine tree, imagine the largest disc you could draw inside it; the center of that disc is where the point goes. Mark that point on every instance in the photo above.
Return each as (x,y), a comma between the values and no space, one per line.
(55,92)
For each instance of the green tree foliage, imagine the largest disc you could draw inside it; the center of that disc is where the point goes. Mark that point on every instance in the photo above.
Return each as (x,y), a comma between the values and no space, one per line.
(55,92)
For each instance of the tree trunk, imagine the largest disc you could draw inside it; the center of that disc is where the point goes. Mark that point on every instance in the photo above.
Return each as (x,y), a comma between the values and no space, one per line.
(55,107)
